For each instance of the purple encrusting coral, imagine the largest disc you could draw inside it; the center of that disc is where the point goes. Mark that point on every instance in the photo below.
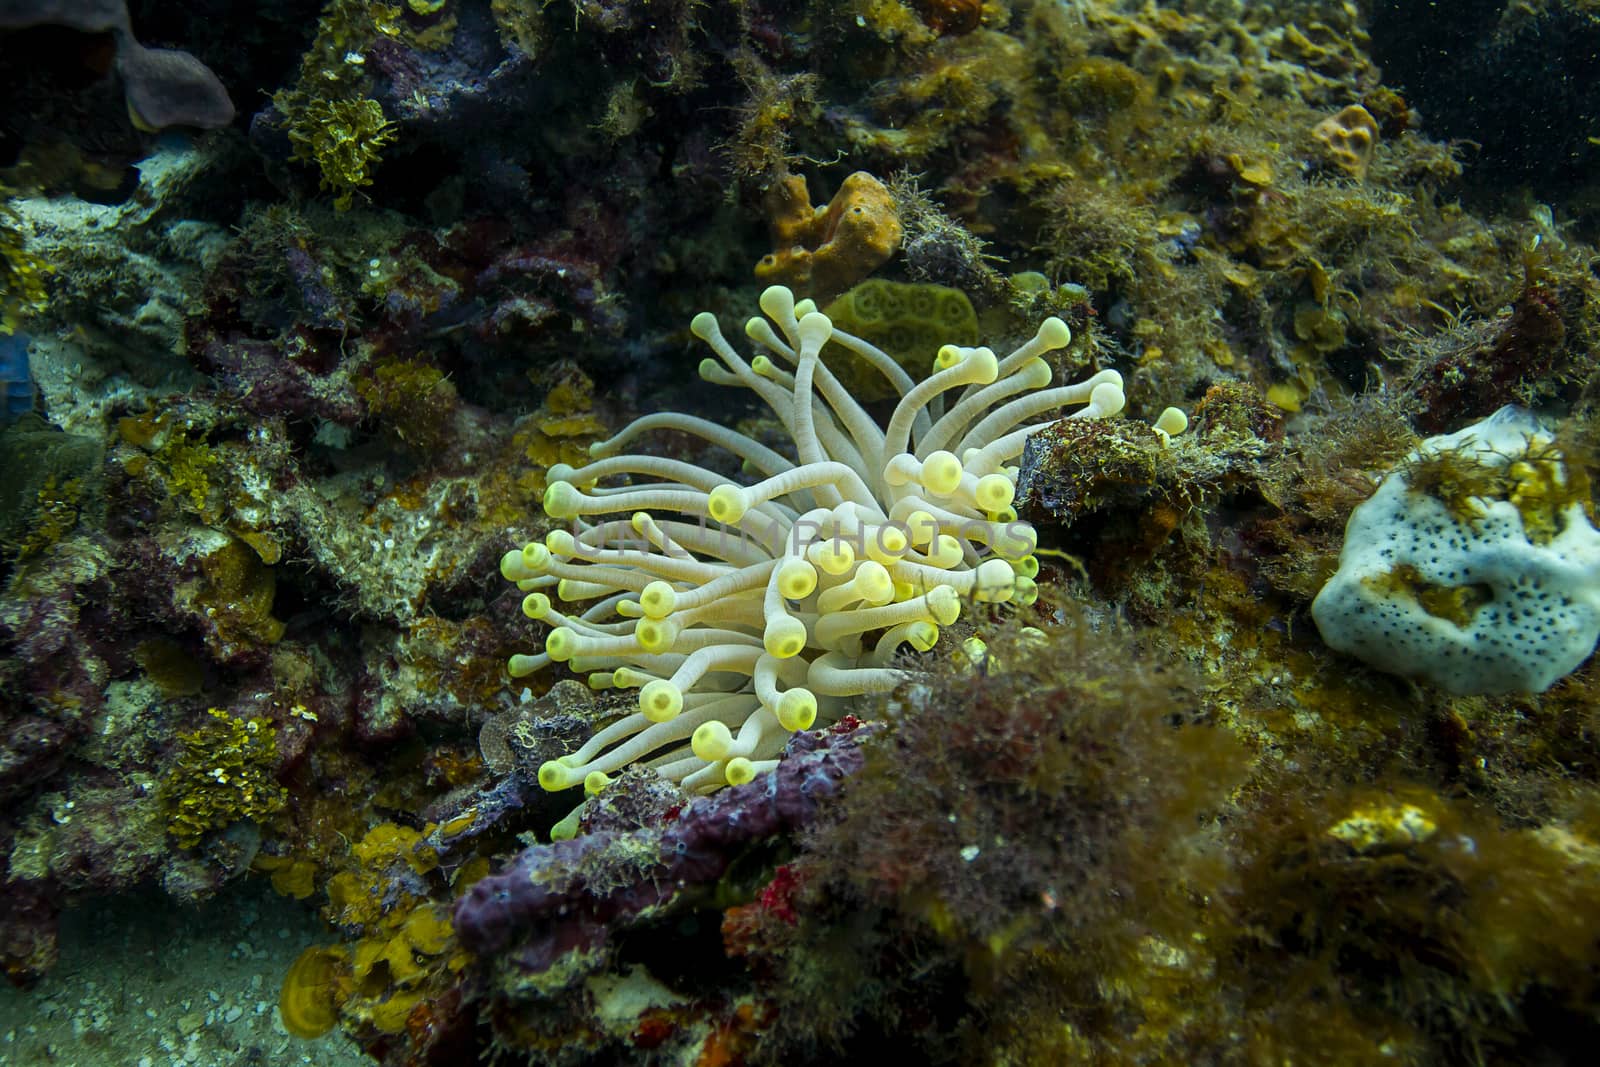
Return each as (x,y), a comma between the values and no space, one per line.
(551,895)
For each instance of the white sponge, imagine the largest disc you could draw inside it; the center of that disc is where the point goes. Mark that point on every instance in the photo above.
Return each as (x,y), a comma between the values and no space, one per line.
(1473,566)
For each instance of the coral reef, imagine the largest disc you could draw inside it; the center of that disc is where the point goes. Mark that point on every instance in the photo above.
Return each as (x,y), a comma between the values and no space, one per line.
(815,576)
(563,896)
(282,395)
(908,322)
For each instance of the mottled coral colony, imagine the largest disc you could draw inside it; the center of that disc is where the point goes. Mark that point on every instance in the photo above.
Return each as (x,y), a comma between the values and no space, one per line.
(1128,597)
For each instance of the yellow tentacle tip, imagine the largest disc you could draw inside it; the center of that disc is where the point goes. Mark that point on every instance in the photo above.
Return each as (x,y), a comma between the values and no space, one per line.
(994,492)
(554,776)
(567,828)
(784,637)
(995,582)
(873,583)
(922,635)
(535,558)
(1017,541)
(727,504)
(562,501)
(561,544)
(1170,423)
(1053,333)
(1107,400)
(941,473)
(512,568)
(562,644)
(797,709)
(777,301)
(888,543)
(660,700)
(711,741)
(628,678)
(815,329)
(944,604)
(796,579)
(704,326)
(739,771)
(657,636)
(982,366)
(657,600)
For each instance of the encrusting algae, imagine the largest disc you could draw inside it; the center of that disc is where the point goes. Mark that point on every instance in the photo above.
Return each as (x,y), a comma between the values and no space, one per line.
(225,772)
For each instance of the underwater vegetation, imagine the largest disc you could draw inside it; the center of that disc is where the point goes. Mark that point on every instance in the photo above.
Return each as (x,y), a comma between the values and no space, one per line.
(343,138)
(370,478)
(22,289)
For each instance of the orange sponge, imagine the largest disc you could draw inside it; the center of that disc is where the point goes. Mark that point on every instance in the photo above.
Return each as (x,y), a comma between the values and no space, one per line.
(821,252)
